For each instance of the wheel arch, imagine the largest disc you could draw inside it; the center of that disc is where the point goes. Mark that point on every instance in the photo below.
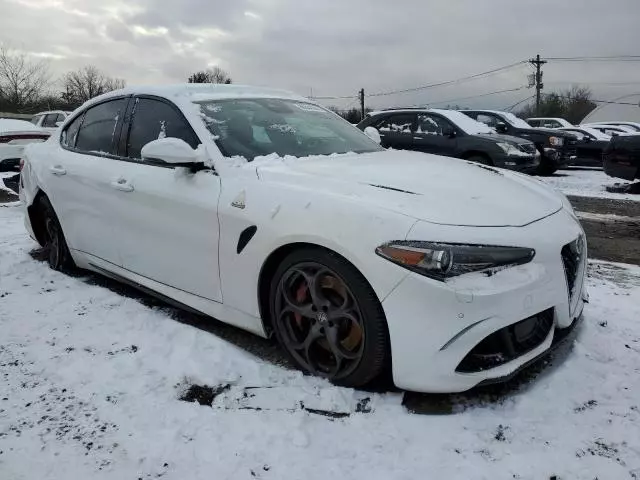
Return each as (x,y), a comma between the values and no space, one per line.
(270,265)
(476,153)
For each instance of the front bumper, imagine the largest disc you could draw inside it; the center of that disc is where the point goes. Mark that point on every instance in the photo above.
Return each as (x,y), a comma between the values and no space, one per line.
(519,163)
(435,325)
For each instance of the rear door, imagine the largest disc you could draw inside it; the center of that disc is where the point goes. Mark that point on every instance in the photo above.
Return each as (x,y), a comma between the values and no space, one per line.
(396,130)
(167,219)
(435,134)
(78,179)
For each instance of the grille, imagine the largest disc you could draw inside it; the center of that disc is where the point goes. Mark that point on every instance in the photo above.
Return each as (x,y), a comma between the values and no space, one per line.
(508,343)
(571,260)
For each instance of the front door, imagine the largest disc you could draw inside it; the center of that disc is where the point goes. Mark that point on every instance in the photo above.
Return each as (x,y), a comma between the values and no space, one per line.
(168,225)
(435,134)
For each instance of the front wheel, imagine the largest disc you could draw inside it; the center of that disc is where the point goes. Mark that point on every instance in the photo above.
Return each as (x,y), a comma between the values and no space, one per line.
(328,319)
(55,244)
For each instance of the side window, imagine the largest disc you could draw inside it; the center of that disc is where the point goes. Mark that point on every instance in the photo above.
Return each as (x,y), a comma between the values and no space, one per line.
(98,130)
(401,123)
(60,118)
(533,123)
(50,120)
(35,119)
(70,134)
(432,125)
(490,120)
(153,119)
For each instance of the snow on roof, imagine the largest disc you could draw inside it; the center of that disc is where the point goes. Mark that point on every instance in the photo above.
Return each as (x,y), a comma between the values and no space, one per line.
(586,129)
(51,111)
(198,92)
(10,125)
(467,124)
(562,121)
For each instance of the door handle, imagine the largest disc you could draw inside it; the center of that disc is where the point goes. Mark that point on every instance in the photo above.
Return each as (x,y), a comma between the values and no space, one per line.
(122,185)
(57,170)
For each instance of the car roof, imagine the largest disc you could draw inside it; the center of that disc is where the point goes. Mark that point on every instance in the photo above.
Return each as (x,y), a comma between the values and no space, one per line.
(199,92)
(499,112)
(50,111)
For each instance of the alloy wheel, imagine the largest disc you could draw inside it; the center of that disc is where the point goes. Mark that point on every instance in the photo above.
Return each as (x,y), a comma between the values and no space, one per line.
(319,320)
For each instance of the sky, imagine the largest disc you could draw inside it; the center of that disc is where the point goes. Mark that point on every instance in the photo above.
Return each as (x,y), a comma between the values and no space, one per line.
(335,47)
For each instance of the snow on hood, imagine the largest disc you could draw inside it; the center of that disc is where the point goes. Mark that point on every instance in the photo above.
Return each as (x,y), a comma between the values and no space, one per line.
(427,187)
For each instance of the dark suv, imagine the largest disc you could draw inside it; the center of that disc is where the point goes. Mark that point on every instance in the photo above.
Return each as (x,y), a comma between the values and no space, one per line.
(557,148)
(452,134)
(622,157)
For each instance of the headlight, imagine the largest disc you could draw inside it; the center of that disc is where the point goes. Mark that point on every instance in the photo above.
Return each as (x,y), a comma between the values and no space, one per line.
(445,260)
(556,141)
(509,148)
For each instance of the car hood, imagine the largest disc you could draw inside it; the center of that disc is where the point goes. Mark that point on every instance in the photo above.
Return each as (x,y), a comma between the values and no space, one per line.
(498,137)
(547,131)
(432,188)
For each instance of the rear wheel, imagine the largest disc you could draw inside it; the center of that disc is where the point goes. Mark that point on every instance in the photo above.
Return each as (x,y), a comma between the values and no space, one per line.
(328,319)
(54,242)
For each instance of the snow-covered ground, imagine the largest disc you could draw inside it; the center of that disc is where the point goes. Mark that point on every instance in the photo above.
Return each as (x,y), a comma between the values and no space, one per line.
(91,380)
(586,183)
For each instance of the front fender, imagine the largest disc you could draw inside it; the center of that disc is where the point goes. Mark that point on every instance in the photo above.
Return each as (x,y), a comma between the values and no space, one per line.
(284,215)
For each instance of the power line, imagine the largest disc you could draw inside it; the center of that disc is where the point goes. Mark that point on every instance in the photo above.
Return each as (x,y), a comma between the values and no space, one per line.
(508,109)
(610,102)
(612,58)
(448,82)
(477,96)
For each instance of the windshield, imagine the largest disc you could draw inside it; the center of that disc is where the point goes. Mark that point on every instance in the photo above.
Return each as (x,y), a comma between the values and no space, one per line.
(466,124)
(515,121)
(263,126)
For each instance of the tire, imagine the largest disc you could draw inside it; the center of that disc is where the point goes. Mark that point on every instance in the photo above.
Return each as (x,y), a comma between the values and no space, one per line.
(339,332)
(546,167)
(481,159)
(55,243)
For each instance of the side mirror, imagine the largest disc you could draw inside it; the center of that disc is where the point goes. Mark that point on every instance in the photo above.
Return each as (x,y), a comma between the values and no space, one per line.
(373,134)
(501,128)
(170,151)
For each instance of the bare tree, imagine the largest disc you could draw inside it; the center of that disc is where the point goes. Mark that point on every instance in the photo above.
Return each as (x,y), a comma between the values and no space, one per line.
(211,75)
(22,80)
(86,83)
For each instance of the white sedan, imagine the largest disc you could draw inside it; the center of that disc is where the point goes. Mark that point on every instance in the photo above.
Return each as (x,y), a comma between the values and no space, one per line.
(14,135)
(269,212)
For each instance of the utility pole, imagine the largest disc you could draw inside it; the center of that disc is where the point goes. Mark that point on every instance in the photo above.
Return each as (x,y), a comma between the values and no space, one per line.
(361,94)
(536,62)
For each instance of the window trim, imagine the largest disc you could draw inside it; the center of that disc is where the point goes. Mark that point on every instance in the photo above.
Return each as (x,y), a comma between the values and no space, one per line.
(442,118)
(82,114)
(127,123)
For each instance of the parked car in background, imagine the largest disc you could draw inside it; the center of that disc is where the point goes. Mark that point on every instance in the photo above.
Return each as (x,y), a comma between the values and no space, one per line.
(452,134)
(556,148)
(269,212)
(49,121)
(591,145)
(633,125)
(622,157)
(612,130)
(548,122)
(14,135)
